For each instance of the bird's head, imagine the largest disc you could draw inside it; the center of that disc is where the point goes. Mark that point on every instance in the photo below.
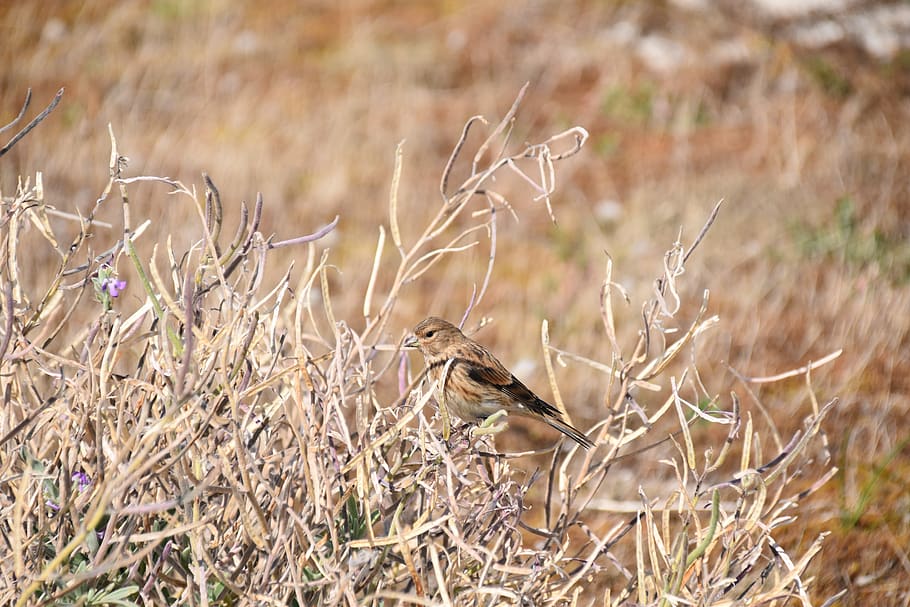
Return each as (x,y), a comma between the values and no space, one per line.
(433,335)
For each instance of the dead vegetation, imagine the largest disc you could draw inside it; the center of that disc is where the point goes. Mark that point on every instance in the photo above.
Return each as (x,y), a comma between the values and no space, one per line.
(234,440)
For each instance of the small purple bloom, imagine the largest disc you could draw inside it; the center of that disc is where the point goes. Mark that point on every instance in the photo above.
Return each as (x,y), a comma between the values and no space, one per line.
(82,480)
(113,286)
(51,505)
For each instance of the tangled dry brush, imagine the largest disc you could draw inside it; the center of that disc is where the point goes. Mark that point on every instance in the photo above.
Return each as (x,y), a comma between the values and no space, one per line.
(230,440)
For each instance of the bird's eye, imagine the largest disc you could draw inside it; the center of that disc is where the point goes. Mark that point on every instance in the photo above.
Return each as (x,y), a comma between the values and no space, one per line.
(430,334)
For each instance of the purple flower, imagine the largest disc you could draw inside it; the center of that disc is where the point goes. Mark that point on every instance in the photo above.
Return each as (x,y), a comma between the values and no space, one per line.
(112,286)
(107,285)
(82,480)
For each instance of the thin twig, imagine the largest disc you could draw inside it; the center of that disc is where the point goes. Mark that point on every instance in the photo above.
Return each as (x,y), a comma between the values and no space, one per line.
(35,122)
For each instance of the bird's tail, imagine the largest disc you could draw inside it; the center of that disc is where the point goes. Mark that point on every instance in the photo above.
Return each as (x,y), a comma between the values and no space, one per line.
(569,431)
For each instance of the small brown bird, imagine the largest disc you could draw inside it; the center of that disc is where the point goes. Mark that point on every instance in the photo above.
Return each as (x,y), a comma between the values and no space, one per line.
(478,385)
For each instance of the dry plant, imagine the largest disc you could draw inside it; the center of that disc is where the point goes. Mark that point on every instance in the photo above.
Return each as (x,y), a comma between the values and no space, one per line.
(225,443)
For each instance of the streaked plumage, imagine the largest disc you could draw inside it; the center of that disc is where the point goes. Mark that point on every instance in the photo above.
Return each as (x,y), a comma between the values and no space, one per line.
(478,385)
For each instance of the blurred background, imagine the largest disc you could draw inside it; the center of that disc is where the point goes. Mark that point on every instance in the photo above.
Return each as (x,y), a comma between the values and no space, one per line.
(794,113)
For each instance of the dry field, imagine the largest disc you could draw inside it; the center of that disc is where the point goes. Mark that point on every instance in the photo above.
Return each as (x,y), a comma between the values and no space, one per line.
(215,243)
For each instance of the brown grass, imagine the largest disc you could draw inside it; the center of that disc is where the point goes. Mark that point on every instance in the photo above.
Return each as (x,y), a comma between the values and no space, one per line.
(220,474)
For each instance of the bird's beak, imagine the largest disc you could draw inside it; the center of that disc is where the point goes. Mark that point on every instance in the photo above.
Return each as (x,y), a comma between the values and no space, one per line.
(410,342)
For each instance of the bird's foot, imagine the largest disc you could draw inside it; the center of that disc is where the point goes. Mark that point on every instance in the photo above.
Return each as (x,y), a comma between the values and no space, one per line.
(491,425)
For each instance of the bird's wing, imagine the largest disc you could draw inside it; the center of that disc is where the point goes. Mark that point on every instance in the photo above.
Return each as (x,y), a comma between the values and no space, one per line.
(493,373)
(484,368)
(490,371)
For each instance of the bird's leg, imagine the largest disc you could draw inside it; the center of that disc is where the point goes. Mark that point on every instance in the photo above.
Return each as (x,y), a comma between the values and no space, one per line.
(490,425)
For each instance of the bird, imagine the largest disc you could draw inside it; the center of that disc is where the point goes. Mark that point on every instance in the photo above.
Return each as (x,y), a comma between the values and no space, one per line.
(478,386)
